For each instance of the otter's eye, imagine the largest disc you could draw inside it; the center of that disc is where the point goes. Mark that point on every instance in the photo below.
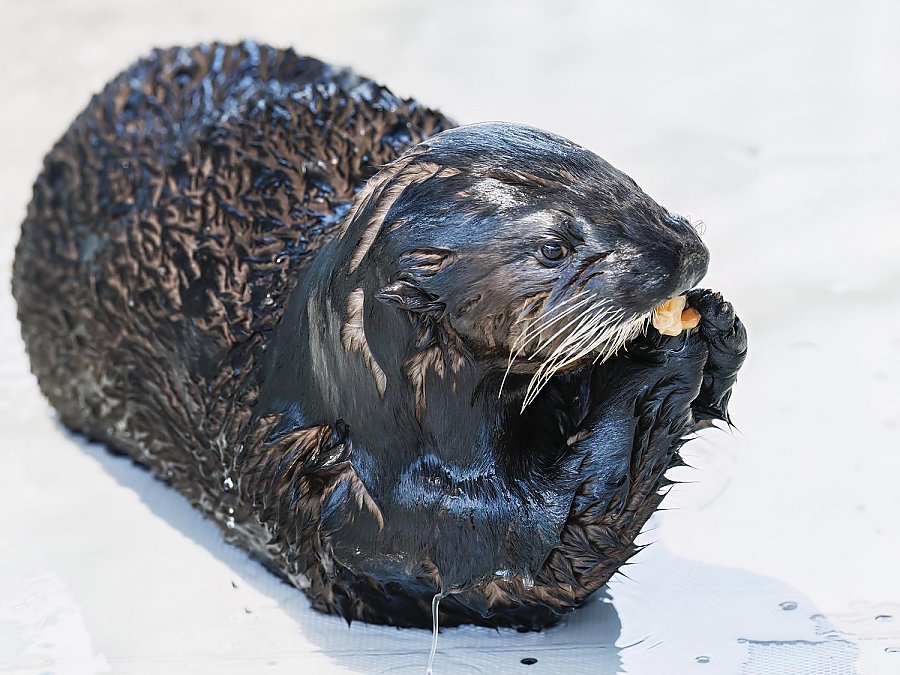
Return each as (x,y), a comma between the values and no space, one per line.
(553,251)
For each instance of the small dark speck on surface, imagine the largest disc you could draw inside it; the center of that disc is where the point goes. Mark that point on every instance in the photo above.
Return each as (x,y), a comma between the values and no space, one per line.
(529,661)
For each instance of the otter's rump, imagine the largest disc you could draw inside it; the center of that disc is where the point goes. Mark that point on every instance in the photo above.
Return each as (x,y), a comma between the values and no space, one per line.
(168,226)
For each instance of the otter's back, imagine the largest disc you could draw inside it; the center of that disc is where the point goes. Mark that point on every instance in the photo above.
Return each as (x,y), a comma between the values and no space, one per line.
(168,227)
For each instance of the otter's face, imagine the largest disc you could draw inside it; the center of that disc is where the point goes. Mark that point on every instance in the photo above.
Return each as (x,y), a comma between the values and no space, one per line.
(536,252)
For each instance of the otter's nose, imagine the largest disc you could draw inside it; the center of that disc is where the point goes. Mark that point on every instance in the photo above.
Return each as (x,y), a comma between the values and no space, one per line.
(694,261)
(674,263)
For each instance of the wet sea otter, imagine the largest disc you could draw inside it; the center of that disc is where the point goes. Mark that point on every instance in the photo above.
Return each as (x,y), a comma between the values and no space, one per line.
(388,356)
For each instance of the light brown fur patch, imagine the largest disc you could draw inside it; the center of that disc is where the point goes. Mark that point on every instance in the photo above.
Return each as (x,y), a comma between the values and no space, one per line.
(524,178)
(427,262)
(375,183)
(360,494)
(353,338)
(437,357)
(386,191)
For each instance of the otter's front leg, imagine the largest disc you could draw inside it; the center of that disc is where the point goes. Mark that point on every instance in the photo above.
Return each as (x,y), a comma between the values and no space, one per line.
(641,407)
(639,415)
(726,340)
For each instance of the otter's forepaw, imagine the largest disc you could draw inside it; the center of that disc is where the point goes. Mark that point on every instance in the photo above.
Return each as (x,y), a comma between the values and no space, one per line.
(726,339)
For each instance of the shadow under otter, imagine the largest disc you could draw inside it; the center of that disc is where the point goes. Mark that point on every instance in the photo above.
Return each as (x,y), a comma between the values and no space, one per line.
(390,357)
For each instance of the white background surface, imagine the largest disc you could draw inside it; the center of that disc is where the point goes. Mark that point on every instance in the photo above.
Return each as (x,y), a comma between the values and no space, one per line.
(776,124)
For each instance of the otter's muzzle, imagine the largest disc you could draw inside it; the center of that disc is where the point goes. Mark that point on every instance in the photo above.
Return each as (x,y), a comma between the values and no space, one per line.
(673,264)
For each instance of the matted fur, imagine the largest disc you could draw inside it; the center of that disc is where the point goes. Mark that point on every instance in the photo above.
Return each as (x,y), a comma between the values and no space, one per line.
(353,337)
(441,353)
(166,232)
(384,193)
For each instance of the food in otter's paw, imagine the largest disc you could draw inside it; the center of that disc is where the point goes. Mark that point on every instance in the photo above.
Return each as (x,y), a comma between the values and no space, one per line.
(671,317)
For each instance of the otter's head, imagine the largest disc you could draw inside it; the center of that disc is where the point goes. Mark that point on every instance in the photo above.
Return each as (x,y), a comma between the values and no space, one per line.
(535,253)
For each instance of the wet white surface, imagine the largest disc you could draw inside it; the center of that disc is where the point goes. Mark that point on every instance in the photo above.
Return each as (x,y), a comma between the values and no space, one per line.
(774,123)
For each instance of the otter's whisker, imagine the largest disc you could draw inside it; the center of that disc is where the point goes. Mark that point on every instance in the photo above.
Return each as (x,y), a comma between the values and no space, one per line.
(574,341)
(626,333)
(594,329)
(541,325)
(544,342)
(582,341)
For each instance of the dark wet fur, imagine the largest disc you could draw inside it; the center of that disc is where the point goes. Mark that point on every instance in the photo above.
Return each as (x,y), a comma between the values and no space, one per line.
(167,231)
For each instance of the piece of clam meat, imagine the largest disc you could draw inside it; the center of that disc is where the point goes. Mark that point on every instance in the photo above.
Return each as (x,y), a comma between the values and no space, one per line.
(671,317)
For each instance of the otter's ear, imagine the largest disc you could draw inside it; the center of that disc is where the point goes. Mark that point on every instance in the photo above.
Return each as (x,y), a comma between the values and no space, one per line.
(406,295)
(416,267)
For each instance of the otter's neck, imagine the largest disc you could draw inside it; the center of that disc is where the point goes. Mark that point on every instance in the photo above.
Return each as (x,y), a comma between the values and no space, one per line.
(405,389)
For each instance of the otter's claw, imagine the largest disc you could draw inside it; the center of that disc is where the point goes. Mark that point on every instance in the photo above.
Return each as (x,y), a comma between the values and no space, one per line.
(726,339)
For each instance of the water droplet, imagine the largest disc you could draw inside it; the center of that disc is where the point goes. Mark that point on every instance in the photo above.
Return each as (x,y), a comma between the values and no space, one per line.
(268,300)
(884,617)
(229,522)
(527,582)
(435,615)
(788,605)
(892,650)
(227,483)
(239,448)
(702,659)
(247,610)
(130,302)
(528,661)
(234,584)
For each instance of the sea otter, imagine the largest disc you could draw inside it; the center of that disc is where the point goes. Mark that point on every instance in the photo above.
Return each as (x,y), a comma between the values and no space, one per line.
(391,357)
